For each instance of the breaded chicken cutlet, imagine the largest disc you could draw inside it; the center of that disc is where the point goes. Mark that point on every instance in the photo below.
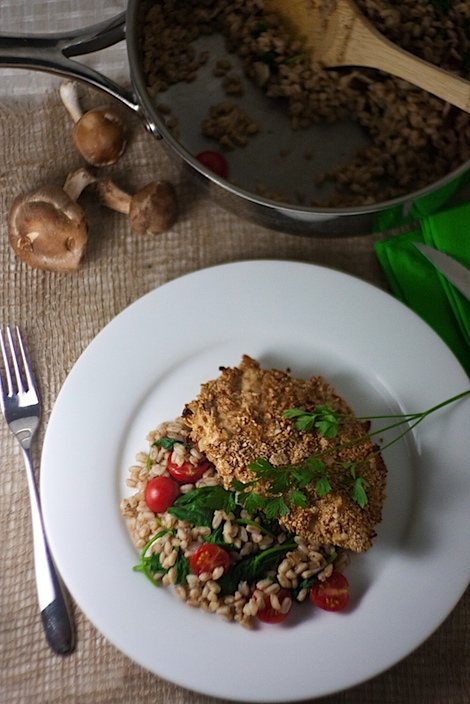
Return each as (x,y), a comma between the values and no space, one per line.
(238,418)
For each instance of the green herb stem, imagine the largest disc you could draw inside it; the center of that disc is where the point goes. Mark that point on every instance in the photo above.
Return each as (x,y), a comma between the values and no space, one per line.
(259,526)
(410,416)
(143,563)
(402,418)
(326,422)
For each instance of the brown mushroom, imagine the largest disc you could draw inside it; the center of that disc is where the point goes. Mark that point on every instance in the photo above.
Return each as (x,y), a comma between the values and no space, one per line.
(151,211)
(48,229)
(99,135)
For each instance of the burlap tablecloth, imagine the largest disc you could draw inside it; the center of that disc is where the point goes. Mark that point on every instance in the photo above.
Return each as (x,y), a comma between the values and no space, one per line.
(60,314)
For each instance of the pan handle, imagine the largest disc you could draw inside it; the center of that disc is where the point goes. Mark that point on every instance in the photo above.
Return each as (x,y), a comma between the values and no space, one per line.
(52,53)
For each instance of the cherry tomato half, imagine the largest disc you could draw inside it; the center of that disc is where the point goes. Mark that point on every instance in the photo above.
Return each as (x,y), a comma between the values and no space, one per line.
(207,557)
(271,615)
(215,162)
(187,473)
(332,594)
(160,493)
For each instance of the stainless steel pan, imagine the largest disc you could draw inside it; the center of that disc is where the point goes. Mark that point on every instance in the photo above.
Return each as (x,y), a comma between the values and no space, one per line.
(54,53)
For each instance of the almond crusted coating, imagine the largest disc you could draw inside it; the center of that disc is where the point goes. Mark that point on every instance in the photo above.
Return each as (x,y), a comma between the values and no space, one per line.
(237,418)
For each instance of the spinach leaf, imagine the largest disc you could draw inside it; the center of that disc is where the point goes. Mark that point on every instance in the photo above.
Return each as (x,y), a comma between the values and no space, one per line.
(310,581)
(216,537)
(169,443)
(196,515)
(253,567)
(182,568)
(150,564)
(198,506)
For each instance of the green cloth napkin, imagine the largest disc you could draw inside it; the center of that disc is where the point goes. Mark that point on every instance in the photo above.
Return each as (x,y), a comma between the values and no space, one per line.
(416,282)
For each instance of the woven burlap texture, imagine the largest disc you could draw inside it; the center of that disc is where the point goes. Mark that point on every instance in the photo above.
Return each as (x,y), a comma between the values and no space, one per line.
(60,314)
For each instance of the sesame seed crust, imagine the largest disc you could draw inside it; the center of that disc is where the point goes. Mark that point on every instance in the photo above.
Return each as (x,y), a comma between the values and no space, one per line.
(237,418)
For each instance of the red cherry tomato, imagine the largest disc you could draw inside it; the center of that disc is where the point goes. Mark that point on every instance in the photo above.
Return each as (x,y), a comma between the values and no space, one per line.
(271,615)
(160,493)
(207,557)
(332,594)
(187,473)
(215,162)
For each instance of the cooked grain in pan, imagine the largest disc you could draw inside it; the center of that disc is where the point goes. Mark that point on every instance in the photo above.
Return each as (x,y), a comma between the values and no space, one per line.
(416,138)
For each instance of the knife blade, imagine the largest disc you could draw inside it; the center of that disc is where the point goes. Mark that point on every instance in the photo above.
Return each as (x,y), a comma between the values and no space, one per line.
(453,270)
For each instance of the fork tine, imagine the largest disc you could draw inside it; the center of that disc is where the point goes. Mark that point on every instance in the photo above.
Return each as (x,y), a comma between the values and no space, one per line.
(22,370)
(7,368)
(14,357)
(27,368)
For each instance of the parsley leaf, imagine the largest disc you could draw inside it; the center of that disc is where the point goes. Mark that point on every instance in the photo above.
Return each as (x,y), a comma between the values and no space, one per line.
(284,486)
(305,420)
(275,507)
(303,475)
(328,421)
(359,484)
(280,480)
(298,498)
(252,501)
(323,486)
(359,494)
(324,418)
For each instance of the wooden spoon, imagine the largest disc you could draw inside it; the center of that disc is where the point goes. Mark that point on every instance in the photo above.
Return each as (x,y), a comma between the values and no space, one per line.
(337,34)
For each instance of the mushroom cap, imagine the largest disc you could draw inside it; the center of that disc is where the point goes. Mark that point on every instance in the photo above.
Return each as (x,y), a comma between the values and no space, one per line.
(48,230)
(153,209)
(100,136)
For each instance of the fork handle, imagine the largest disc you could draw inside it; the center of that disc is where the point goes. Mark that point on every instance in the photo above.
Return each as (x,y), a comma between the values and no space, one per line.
(55,612)
(56,619)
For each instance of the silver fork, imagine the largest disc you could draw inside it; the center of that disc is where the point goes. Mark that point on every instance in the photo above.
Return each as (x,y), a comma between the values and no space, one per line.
(21,407)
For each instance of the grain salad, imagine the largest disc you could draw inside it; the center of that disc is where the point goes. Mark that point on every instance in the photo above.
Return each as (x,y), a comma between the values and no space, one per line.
(167,543)
(415,138)
(249,546)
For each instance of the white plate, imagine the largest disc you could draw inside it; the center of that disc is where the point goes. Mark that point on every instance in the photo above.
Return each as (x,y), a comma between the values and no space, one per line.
(149,361)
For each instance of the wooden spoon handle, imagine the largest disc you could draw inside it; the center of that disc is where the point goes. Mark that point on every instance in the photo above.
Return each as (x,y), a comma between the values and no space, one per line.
(367,47)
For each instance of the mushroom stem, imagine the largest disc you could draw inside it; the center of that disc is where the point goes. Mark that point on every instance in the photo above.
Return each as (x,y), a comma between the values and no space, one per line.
(77,181)
(69,96)
(112,196)
(151,211)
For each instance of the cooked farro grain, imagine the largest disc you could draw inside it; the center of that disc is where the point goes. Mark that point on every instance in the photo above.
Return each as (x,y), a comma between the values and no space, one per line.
(172,541)
(229,125)
(416,138)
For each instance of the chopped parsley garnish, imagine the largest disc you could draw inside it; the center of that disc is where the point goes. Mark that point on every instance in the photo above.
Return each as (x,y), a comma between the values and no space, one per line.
(284,485)
(324,418)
